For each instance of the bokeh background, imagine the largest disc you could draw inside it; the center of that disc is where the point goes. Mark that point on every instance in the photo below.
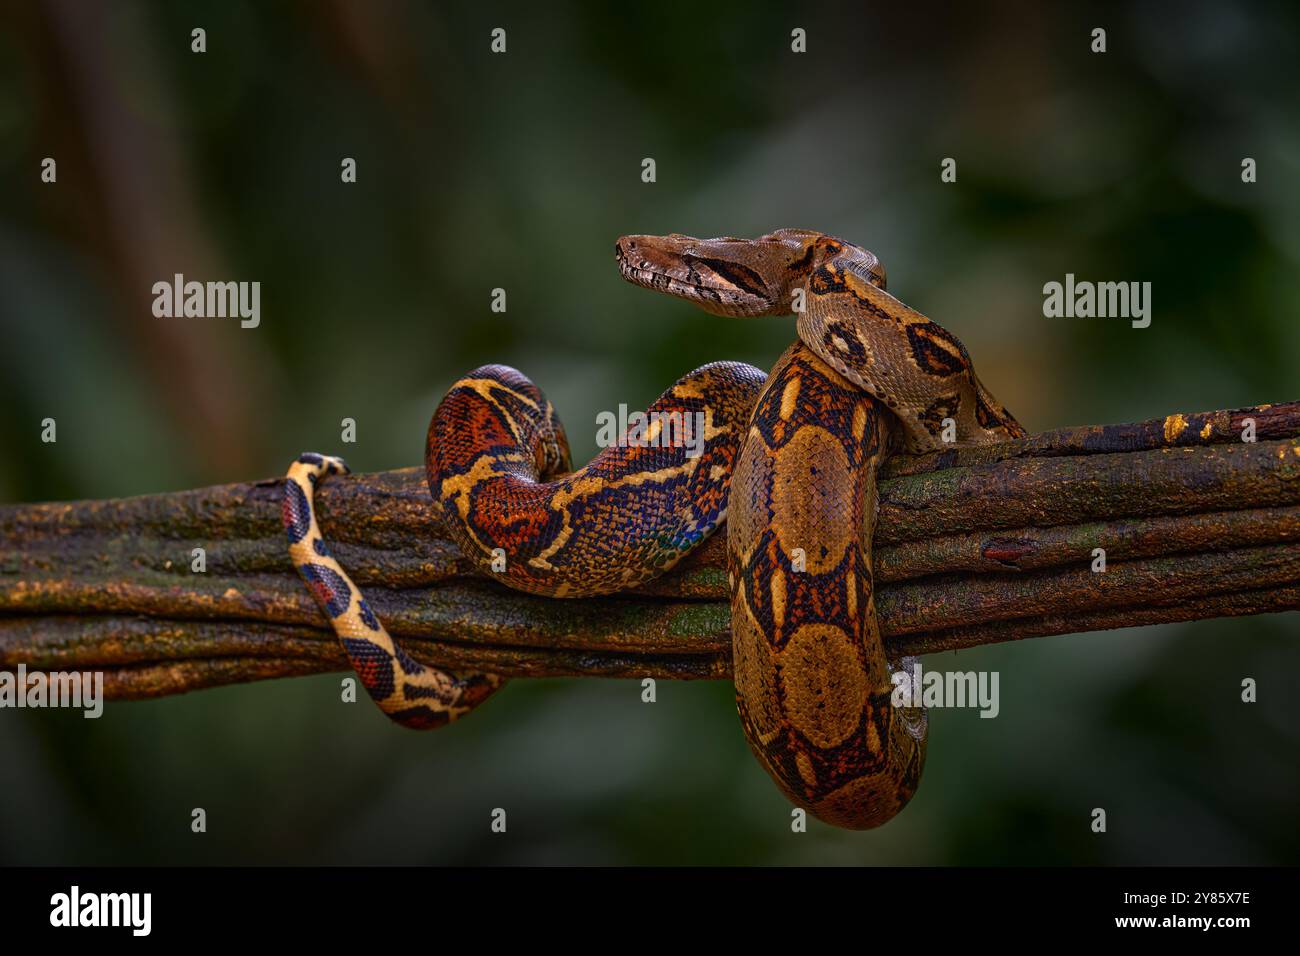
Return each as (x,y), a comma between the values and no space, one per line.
(519,170)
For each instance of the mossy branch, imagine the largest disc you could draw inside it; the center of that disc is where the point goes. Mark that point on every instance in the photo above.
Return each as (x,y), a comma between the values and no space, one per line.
(973,546)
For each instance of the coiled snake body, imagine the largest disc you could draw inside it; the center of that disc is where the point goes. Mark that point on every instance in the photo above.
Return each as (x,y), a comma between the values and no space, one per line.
(789,460)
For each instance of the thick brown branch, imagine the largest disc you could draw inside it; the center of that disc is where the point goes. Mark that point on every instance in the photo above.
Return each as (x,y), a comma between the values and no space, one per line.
(974,546)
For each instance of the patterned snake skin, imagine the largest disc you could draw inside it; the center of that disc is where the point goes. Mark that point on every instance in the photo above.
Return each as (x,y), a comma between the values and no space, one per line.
(790,461)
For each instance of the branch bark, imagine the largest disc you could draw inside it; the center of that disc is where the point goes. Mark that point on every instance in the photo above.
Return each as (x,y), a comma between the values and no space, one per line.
(973,546)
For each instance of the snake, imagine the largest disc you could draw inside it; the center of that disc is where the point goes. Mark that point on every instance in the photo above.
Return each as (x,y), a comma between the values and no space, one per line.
(788,460)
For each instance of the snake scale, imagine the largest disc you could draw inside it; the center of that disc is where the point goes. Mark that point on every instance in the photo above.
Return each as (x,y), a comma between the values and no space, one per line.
(788,459)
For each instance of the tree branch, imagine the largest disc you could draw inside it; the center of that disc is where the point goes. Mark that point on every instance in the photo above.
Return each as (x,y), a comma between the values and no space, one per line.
(973,546)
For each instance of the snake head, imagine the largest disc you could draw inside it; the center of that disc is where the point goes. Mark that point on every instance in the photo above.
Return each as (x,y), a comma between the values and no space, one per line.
(725,276)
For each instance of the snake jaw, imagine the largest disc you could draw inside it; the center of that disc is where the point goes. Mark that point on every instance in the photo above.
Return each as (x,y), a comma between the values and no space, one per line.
(723,276)
(708,298)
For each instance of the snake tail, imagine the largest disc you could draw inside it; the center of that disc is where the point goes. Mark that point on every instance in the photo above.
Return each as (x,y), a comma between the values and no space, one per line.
(410,693)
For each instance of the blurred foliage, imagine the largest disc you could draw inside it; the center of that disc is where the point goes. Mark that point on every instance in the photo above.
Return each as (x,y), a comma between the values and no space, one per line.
(519,171)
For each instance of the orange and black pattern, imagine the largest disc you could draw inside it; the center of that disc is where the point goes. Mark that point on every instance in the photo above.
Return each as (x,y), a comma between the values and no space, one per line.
(498,469)
(407,691)
(813,687)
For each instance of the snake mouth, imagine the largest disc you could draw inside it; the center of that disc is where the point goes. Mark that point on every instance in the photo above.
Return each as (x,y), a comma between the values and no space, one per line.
(659,279)
(706,297)
(635,265)
(670,264)
(639,269)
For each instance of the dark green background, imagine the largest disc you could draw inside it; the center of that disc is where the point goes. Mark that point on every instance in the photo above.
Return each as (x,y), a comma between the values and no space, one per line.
(519,171)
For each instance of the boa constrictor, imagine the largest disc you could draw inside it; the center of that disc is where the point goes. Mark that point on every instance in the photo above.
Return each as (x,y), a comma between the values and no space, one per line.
(790,460)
